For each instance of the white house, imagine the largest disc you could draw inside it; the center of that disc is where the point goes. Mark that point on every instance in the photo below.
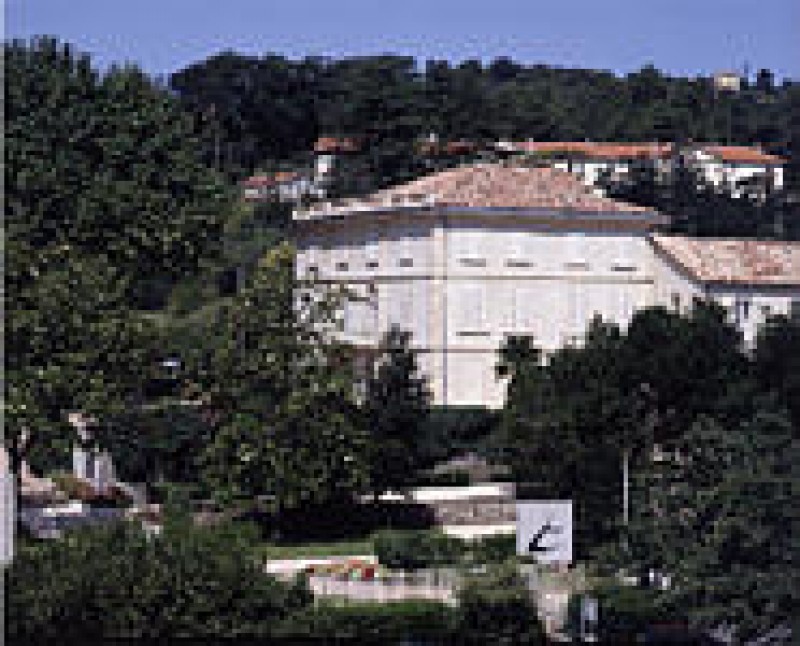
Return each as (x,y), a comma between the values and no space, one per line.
(723,166)
(284,186)
(327,152)
(466,257)
(752,279)
(591,161)
(730,166)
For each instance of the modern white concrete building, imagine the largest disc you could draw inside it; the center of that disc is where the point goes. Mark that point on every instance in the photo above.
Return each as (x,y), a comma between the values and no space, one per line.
(466,257)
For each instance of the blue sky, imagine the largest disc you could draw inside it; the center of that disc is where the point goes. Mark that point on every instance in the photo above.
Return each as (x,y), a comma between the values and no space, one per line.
(686,37)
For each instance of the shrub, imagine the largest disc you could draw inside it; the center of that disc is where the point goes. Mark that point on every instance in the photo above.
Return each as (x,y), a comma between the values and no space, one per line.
(629,611)
(115,582)
(497,608)
(494,549)
(372,623)
(413,550)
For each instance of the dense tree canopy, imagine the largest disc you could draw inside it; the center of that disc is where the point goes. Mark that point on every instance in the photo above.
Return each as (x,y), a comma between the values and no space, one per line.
(282,391)
(718,517)
(571,417)
(396,408)
(274,108)
(105,192)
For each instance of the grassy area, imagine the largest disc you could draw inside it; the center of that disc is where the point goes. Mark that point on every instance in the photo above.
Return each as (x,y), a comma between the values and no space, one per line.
(358,547)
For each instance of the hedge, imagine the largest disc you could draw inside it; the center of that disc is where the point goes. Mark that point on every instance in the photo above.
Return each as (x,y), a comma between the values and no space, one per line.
(396,622)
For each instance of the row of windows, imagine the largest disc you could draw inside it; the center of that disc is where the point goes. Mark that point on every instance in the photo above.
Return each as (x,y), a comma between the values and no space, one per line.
(481,262)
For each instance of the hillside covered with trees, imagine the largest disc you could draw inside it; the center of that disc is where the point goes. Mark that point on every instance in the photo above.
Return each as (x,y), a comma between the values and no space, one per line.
(261,111)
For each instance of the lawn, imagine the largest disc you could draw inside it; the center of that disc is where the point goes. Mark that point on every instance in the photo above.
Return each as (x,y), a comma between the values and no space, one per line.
(358,547)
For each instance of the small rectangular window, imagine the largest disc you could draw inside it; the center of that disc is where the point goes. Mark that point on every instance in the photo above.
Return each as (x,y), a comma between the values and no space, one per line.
(372,264)
(405,262)
(472,262)
(518,263)
(342,266)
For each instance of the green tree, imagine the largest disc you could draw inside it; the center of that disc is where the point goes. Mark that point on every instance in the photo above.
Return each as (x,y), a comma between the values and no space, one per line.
(105,193)
(281,388)
(115,582)
(396,407)
(776,363)
(497,608)
(717,515)
(572,422)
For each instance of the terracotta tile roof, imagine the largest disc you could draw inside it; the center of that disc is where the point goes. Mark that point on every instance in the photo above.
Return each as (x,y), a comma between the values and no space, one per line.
(259,181)
(336,145)
(595,150)
(500,186)
(457,147)
(742,155)
(739,262)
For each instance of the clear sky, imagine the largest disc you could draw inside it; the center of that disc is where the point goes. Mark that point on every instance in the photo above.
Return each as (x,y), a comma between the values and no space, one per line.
(686,37)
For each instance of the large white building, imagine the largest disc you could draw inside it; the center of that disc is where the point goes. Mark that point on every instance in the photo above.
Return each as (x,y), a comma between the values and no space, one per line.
(466,257)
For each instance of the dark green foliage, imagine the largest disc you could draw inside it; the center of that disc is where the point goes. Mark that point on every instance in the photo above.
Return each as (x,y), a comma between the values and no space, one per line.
(115,583)
(776,363)
(395,408)
(569,420)
(719,516)
(287,429)
(493,549)
(398,622)
(343,519)
(496,607)
(626,613)
(105,193)
(163,443)
(452,431)
(698,208)
(414,550)
(272,108)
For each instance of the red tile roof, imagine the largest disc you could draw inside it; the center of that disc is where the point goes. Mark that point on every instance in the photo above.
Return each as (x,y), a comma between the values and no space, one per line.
(501,186)
(259,181)
(595,150)
(742,155)
(336,145)
(738,262)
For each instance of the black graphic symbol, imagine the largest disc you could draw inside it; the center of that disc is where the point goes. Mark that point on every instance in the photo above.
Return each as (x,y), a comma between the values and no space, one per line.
(535,544)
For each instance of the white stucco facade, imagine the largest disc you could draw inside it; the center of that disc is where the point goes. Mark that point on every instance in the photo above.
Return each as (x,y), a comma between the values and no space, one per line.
(462,280)
(461,283)
(749,305)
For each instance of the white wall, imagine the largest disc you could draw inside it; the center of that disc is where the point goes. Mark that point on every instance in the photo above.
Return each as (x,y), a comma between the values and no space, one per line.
(748,306)
(461,286)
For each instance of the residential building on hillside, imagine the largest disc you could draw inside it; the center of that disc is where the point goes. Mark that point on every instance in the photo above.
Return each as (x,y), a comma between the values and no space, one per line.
(752,279)
(466,257)
(327,152)
(732,166)
(723,166)
(727,81)
(284,186)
